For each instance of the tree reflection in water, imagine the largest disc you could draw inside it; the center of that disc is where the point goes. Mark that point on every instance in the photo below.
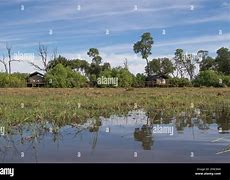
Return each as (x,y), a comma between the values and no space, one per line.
(94,128)
(30,136)
(223,120)
(144,134)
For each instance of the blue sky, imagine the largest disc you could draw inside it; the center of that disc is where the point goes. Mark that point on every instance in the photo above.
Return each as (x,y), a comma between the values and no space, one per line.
(112,26)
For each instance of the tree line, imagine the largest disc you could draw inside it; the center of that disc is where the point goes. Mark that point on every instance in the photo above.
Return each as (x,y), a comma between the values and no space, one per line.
(180,70)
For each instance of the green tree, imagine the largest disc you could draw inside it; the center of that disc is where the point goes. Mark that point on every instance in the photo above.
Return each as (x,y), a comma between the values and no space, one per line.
(125,78)
(139,80)
(185,64)
(207,78)
(95,67)
(63,77)
(59,60)
(223,60)
(94,53)
(208,63)
(144,47)
(179,55)
(190,65)
(161,66)
(106,66)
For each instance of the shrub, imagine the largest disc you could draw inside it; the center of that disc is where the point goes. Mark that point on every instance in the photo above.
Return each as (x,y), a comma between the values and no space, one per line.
(12,80)
(207,78)
(226,80)
(64,77)
(139,80)
(179,82)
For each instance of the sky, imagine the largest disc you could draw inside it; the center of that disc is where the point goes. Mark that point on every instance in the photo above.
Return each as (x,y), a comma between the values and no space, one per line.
(112,26)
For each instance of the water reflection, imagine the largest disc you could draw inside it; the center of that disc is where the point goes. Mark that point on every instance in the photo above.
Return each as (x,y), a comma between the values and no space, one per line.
(144,134)
(223,120)
(46,141)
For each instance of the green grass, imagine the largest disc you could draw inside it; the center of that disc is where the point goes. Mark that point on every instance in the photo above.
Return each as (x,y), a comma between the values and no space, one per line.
(60,106)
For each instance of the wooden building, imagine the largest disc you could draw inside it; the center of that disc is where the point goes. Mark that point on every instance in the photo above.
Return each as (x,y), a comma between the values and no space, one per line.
(156,80)
(36,79)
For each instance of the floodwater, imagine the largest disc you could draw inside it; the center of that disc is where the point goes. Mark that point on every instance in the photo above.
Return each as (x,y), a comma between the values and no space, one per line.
(131,138)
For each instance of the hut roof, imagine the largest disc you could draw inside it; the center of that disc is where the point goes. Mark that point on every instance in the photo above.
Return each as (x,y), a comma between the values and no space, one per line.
(36,73)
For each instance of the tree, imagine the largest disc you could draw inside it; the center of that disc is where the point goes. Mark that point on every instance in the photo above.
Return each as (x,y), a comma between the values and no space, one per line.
(43,53)
(125,78)
(106,66)
(179,55)
(94,53)
(208,64)
(185,64)
(202,55)
(144,47)
(7,64)
(77,65)
(64,77)
(223,60)
(161,66)
(189,65)
(139,80)
(56,61)
(95,67)
(207,78)
(126,64)
(3,61)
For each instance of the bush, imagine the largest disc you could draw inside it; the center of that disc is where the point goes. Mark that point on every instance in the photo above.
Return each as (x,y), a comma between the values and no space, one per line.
(207,78)
(226,80)
(64,77)
(179,82)
(12,80)
(139,80)
(125,78)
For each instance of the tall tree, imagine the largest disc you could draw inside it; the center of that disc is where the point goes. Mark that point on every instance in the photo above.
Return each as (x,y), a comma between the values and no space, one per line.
(94,53)
(144,47)
(185,63)
(178,59)
(189,63)
(223,60)
(95,67)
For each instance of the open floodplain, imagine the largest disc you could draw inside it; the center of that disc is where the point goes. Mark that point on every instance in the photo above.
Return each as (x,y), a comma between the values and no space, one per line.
(115,125)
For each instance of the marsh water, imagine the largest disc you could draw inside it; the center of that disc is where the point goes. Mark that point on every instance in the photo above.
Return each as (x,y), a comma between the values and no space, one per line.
(135,137)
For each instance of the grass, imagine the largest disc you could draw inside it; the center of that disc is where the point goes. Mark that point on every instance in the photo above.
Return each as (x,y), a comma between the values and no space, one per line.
(65,106)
